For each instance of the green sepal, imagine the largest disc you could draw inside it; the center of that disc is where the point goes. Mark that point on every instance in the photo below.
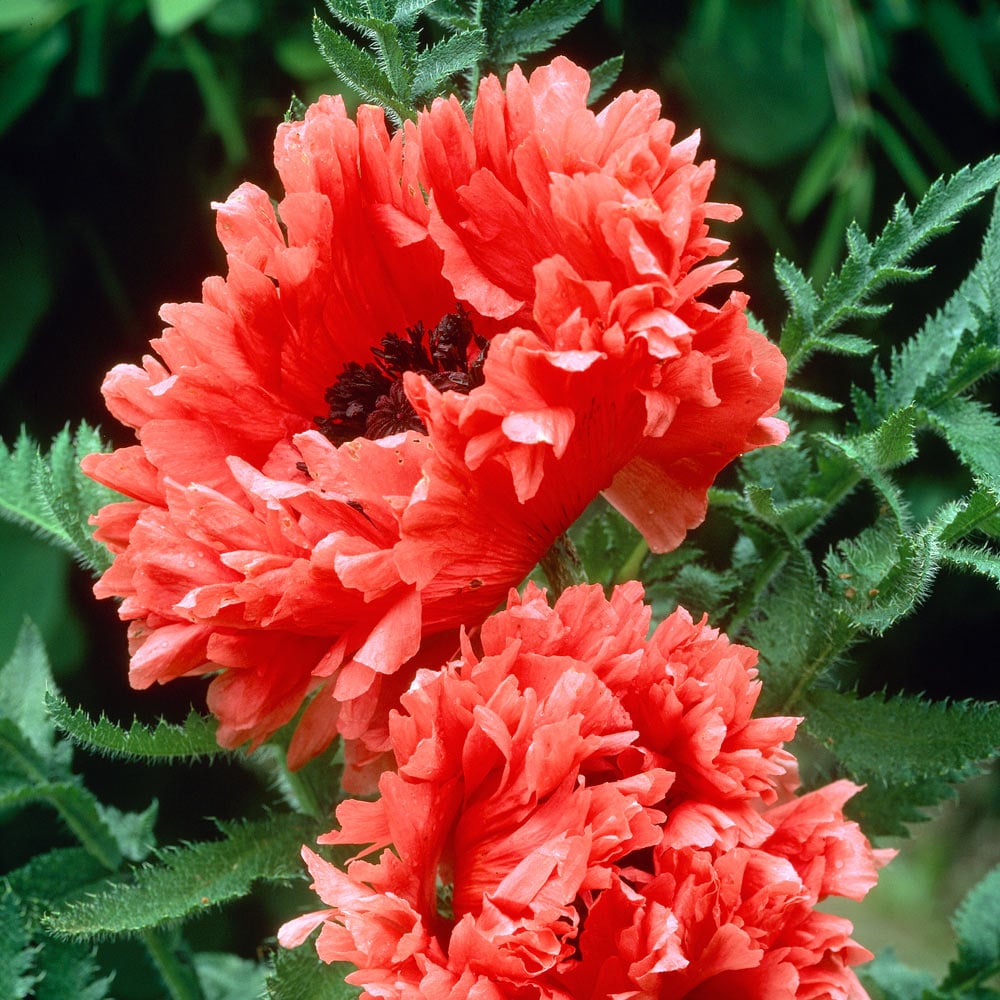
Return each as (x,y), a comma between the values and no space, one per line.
(192,739)
(190,879)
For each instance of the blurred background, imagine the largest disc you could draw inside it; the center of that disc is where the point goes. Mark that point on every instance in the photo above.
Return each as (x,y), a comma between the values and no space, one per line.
(121,120)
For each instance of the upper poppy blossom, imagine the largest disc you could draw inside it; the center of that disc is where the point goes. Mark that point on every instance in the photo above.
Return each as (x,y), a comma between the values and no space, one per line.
(393,403)
(579,812)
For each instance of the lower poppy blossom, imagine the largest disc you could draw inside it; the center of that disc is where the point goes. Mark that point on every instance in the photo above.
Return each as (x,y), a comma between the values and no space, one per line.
(570,818)
(347,450)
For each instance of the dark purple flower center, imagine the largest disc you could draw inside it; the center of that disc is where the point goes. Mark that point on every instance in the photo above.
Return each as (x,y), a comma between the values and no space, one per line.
(368,400)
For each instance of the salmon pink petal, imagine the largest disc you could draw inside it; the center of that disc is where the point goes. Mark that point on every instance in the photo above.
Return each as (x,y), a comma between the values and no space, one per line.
(532,837)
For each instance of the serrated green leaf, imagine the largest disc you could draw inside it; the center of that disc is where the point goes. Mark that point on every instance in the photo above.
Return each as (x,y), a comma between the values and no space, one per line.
(895,980)
(886,810)
(604,76)
(190,879)
(904,739)
(69,969)
(797,632)
(957,345)
(51,496)
(805,400)
(882,574)
(458,52)
(228,977)
(79,810)
(300,975)
(358,69)
(846,343)
(977,925)
(133,831)
(700,589)
(872,264)
(16,954)
(24,680)
(51,877)
(191,740)
(535,28)
(980,511)
(973,433)
(981,560)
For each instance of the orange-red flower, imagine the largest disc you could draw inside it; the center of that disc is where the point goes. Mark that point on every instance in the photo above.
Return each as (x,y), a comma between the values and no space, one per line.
(393,403)
(579,812)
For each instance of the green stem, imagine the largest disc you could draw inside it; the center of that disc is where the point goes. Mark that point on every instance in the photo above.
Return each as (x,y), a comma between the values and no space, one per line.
(629,570)
(562,565)
(815,667)
(773,564)
(178,976)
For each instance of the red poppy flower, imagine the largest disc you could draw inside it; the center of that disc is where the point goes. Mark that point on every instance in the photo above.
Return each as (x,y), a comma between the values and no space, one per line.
(536,850)
(355,443)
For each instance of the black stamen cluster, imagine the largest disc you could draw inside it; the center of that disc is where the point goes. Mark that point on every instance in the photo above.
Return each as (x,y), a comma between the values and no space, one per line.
(368,400)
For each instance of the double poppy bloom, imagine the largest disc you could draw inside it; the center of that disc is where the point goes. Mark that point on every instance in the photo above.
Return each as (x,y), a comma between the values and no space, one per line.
(418,371)
(580,812)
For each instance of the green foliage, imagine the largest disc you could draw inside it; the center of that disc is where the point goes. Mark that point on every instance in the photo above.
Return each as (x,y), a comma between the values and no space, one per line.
(192,739)
(300,975)
(392,69)
(904,744)
(814,320)
(188,879)
(977,927)
(228,977)
(16,953)
(895,981)
(977,930)
(804,603)
(391,66)
(51,496)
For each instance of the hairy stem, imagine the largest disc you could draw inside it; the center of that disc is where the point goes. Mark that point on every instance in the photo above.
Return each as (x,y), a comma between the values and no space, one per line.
(562,565)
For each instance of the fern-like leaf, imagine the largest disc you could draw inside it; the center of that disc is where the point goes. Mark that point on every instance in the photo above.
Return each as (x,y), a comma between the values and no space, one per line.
(872,264)
(300,975)
(17,956)
(50,496)
(190,879)
(192,739)
(533,29)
